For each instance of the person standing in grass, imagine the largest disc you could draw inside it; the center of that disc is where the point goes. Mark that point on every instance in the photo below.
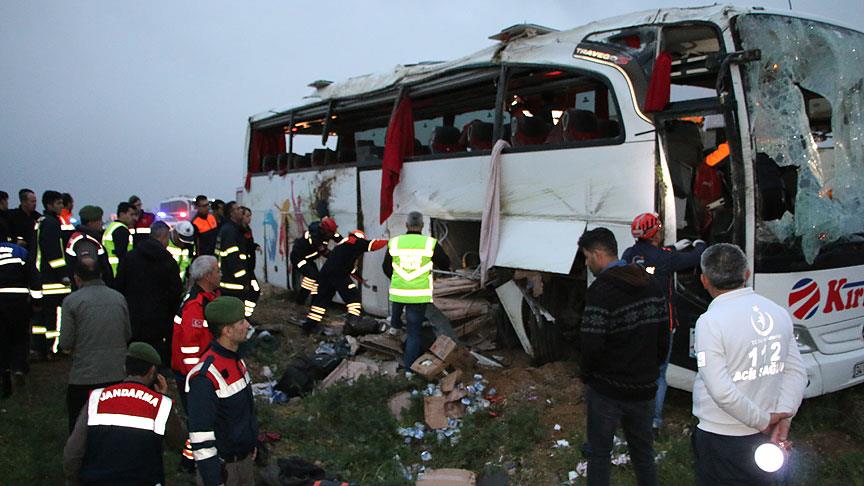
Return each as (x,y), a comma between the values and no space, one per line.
(751,378)
(624,338)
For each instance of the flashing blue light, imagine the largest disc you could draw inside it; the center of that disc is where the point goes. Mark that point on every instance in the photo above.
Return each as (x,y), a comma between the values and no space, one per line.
(73,220)
(161,214)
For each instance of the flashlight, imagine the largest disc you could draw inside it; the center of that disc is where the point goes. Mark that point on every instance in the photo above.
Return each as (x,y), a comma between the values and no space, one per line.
(770,457)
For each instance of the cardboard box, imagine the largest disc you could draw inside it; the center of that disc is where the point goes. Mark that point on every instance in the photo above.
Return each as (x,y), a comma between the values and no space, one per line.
(428,366)
(399,403)
(449,382)
(451,353)
(435,412)
(447,477)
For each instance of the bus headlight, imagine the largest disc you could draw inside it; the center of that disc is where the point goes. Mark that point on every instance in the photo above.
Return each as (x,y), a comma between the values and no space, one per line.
(805,342)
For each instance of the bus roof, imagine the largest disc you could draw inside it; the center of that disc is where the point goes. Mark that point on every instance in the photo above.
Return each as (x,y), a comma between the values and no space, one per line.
(553,47)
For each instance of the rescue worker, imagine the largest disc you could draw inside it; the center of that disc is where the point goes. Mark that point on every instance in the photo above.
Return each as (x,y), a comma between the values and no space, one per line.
(86,242)
(117,239)
(181,246)
(150,280)
(305,250)
(67,226)
(408,264)
(5,222)
(231,252)
(190,336)
(53,275)
(662,262)
(217,207)
(253,293)
(141,230)
(15,279)
(22,221)
(336,276)
(222,424)
(206,227)
(117,438)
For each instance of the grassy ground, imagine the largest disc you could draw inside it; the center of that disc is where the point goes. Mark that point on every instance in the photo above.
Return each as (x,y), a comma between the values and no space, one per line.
(348,430)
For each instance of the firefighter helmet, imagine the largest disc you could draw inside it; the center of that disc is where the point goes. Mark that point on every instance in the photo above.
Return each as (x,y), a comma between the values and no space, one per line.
(328,224)
(645,226)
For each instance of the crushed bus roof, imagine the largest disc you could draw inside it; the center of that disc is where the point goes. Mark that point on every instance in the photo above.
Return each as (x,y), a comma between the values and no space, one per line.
(551,47)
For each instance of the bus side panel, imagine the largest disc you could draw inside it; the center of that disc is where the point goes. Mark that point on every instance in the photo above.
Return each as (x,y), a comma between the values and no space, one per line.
(282,207)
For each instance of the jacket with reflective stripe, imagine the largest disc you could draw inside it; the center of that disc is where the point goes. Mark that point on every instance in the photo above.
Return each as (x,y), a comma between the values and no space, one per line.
(14,273)
(183,257)
(50,257)
(231,252)
(113,241)
(125,426)
(411,282)
(221,411)
(191,337)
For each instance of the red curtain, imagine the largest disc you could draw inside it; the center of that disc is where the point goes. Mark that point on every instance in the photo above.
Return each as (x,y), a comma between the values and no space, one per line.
(398,145)
(660,84)
(270,141)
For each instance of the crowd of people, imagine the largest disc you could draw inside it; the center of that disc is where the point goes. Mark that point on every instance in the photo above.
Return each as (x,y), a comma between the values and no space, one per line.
(139,300)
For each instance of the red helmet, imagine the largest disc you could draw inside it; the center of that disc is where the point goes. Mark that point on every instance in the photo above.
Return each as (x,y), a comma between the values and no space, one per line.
(357,234)
(328,224)
(645,226)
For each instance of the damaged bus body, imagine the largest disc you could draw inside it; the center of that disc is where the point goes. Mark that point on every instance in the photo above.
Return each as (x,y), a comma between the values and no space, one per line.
(735,125)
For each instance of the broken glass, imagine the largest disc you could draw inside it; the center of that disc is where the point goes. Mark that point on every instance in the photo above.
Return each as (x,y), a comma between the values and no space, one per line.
(799,56)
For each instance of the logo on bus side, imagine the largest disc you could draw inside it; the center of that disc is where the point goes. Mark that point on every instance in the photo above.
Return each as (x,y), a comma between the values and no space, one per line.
(806,297)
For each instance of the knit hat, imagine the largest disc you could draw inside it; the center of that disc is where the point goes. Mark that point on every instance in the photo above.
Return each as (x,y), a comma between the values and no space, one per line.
(224,310)
(144,352)
(90,213)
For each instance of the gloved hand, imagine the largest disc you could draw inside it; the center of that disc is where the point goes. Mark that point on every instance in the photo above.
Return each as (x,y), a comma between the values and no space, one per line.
(698,242)
(682,244)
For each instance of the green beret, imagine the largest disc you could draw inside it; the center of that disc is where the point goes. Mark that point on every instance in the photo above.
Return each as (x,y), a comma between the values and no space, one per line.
(225,310)
(90,213)
(144,352)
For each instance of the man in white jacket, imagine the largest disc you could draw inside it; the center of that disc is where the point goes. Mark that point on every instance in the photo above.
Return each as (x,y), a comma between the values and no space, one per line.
(751,379)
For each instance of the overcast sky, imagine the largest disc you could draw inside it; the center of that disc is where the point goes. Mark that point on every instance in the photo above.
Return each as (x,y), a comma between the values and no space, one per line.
(107,98)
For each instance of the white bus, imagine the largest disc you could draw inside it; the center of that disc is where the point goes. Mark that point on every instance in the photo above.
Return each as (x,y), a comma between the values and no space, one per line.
(734,124)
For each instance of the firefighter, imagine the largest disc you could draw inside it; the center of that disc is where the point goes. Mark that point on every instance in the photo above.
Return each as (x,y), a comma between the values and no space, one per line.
(190,336)
(336,276)
(141,230)
(86,241)
(305,250)
(662,262)
(117,438)
(408,263)
(253,292)
(231,252)
(222,425)
(206,227)
(15,280)
(117,239)
(181,245)
(53,275)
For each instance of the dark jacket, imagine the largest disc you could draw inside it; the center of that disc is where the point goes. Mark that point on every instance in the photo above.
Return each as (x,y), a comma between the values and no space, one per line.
(663,263)
(231,252)
(50,252)
(149,278)
(86,242)
(440,260)
(306,249)
(23,226)
(624,334)
(342,260)
(222,420)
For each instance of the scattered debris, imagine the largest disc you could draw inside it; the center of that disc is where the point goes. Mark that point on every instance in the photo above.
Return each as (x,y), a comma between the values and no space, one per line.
(562,443)
(447,477)
(398,404)
(349,370)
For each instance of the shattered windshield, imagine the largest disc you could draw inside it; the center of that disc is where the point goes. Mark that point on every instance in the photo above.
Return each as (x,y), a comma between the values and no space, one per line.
(806,109)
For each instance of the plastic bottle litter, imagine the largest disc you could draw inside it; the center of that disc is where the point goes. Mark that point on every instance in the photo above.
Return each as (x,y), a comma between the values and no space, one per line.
(557,427)
(425,456)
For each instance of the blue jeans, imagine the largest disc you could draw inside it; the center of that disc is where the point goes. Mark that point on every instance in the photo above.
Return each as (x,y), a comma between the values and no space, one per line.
(604,415)
(415,314)
(661,387)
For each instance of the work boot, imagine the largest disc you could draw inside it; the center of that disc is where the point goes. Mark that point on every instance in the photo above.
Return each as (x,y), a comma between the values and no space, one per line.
(311,327)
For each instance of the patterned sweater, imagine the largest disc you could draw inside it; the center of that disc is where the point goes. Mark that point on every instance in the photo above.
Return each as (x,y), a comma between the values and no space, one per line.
(624,334)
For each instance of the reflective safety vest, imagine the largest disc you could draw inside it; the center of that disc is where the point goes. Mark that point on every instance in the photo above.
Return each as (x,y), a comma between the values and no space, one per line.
(108,243)
(181,256)
(125,426)
(411,282)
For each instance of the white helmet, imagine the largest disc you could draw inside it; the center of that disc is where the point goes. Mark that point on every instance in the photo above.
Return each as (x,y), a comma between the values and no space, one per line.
(185,232)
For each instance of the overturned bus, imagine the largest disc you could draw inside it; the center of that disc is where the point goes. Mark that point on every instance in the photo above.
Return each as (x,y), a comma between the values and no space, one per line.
(733,124)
